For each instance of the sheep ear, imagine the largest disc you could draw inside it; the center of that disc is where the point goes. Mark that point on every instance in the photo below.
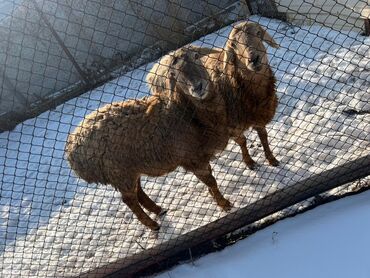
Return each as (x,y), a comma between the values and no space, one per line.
(228,58)
(268,39)
(229,55)
(171,82)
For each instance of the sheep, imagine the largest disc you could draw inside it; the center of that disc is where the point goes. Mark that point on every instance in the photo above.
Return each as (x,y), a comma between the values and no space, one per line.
(241,73)
(122,141)
(156,78)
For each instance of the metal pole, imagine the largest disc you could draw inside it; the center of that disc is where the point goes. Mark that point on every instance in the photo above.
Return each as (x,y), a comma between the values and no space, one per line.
(82,74)
(21,98)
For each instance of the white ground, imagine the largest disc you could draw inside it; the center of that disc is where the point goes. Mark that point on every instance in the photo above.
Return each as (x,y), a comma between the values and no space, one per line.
(53,224)
(6,7)
(329,241)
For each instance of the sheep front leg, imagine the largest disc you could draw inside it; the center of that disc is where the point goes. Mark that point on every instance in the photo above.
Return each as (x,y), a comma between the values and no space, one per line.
(205,175)
(131,200)
(262,133)
(242,142)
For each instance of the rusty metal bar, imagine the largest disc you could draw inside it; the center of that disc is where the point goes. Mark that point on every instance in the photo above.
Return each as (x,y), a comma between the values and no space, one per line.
(81,73)
(265,206)
(265,8)
(8,83)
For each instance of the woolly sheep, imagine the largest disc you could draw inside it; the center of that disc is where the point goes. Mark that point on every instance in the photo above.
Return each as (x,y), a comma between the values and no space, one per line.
(241,74)
(185,126)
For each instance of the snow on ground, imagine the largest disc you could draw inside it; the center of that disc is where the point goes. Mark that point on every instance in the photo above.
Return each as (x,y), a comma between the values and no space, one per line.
(53,224)
(329,241)
(7,7)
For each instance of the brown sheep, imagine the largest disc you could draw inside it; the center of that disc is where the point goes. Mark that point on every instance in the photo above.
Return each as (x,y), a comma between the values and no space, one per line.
(241,73)
(157,77)
(119,142)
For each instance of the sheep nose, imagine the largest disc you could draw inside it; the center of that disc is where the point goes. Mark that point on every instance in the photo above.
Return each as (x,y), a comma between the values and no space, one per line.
(199,87)
(255,60)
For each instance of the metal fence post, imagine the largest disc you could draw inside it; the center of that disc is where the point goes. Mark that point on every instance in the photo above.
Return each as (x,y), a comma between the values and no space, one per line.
(85,78)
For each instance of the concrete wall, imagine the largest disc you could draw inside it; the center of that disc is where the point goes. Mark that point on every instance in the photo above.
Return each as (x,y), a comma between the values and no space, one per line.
(337,14)
(95,36)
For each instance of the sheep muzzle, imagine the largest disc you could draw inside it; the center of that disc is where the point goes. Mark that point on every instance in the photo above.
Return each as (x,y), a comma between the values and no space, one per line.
(199,89)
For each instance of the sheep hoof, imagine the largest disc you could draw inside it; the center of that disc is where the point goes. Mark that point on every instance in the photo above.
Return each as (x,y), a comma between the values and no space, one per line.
(252,166)
(162,212)
(226,206)
(155,228)
(274,162)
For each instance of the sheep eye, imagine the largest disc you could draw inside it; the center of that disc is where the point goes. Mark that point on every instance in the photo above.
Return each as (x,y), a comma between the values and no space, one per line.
(237,30)
(233,45)
(175,60)
(259,34)
(196,56)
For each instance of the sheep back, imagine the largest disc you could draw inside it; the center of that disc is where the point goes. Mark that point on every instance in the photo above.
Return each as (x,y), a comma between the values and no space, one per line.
(117,137)
(127,139)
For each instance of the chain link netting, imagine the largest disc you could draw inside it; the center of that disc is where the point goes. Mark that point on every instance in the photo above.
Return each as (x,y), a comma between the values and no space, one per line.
(61,60)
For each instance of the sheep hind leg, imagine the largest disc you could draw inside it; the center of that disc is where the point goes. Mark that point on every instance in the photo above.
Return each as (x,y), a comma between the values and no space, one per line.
(130,198)
(146,202)
(205,175)
(242,142)
(262,133)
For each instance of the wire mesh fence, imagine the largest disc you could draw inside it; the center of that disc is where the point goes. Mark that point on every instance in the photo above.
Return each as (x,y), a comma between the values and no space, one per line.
(62,60)
(53,50)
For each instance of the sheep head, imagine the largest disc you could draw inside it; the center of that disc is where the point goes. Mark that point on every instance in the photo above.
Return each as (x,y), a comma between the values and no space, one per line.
(245,45)
(188,75)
